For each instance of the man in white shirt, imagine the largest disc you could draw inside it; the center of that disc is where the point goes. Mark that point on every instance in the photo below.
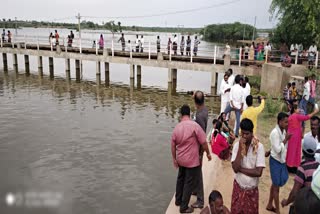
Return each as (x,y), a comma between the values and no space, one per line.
(278,168)
(236,102)
(294,50)
(312,52)
(227,50)
(248,162)
(231,77)
(314,134)
(246,91)
(306,95)
(224,91)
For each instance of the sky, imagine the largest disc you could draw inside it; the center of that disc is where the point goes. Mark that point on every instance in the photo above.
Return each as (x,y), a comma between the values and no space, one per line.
(170,13)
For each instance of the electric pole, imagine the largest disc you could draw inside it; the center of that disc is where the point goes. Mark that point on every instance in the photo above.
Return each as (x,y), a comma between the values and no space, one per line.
(254,27)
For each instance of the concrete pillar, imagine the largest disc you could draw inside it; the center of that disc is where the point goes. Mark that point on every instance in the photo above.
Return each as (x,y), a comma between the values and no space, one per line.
(27,64)
(15,62)
(51,67)
(67,64)
(138,70)
(132,71)
(98,73)
(227,62)
(5,61)
(214,77)
(107,73)
(40,66)
(77,70)
(138,82)
(172,74)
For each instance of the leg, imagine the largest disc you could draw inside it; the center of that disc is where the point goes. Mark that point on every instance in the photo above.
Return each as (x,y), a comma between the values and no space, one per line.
(238,114)
(276,197)
(191,175)
(200,194)
(271,198)
(180,183)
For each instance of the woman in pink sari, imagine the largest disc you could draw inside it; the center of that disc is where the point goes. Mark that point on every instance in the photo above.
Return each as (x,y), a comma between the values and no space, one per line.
(294,144)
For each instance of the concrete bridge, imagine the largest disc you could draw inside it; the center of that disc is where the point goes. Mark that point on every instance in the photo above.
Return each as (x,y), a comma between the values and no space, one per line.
(136,60)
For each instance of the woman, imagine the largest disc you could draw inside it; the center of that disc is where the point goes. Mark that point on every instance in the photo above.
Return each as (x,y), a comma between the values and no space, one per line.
(251,52)
(101,42)
(293,159)
(209,136)
(219,143)
(225,126)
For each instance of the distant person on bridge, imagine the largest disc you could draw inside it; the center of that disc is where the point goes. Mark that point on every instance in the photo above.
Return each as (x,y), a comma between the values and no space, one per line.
(123,42)
(137,43)
(195,46)
(69,41)
(251,52)
(101,42)
(175,44)
(246,51)
(3,35)
(50,38)
(182,45)
(169,45)
(71,35)
(283,50)
(141,44)
(286,61)
(9,36)
(56,36)
(188,46)
(186,138)
(158,44)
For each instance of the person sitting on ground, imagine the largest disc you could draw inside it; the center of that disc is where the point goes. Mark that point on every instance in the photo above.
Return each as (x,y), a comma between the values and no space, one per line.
(210,134)
(253,112)
(219,143)
(215,204)
(303,177)
(225,125)
(286,62)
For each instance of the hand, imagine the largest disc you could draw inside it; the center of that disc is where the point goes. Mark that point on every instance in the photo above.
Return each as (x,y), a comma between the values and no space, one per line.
(288,136)
(231,136)
(209,156)
(284,202)
(267,153)
(175,163)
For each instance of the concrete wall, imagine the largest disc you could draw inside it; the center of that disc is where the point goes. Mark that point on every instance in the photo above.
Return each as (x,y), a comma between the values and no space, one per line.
(274,77)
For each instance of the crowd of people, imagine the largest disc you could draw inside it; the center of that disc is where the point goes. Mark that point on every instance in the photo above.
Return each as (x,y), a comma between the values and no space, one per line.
(291,151)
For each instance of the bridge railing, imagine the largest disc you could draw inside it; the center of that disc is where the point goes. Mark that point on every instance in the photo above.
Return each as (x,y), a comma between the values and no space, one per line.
(214,53)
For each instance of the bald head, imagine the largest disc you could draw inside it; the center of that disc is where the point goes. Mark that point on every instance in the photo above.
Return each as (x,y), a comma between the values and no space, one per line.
(199,98)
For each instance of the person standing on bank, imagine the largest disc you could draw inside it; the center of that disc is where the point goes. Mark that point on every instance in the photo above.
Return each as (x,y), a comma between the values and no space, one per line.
(186,138)
(314,134)
(278,170)
(224,91)
(123,42)
(248,163)
(158,44)
(201,117)
(236,102)
(182,44)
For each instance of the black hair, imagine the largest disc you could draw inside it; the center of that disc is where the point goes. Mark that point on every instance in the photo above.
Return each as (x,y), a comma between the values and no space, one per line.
(185,110)
(281,116)
(218,128)
(294,107)
(237,79)
(230,70)
(306,202)
(246,125)
(220,118)
(313,118)
(289,84)
(306,78)
(249,100)
(246,79)
(214,121)
(199,97)
(225,74)
(214,195)
(293,83)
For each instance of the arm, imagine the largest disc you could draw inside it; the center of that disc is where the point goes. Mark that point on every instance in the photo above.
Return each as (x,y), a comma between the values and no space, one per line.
(296,187)
(173,151)
(315,111)
(260,108)
(205,148)
(236,156)
(277,145)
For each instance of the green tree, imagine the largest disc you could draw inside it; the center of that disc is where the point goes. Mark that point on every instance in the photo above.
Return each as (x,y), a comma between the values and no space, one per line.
(299,21)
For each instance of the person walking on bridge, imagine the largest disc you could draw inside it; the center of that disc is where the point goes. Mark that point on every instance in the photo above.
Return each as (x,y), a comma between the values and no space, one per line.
(188,46)
(158,44)
(195,46)
(123,42)
(186,138)
(101,42)
(56,36)
(182,44)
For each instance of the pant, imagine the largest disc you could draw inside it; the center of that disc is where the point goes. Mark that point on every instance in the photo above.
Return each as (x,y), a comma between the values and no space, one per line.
(223,106)
(238,114)
(303,105)
(187,181)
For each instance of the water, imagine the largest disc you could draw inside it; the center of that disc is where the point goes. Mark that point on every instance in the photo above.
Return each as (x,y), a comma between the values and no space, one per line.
(102,150)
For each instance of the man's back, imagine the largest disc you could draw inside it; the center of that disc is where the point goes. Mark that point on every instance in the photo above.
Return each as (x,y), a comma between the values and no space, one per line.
(202,118)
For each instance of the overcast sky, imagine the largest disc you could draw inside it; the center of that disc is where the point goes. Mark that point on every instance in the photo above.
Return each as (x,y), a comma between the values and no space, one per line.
(213,11)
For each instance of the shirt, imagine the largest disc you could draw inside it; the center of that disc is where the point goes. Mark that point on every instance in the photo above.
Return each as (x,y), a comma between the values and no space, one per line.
(317,155)
(285,93)
(218,144)
(231,80)
(252,114)
(225,96)
(236,96)
(186,137)
(250,161)
(306,91)
(278,149)
(305,172)
(246,92)
(312,50)
(175,40)
(201,118)
(196,43)
(312,88)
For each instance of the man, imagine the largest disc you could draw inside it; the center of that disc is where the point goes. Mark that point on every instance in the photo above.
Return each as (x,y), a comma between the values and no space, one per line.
(248,163)
(195,47)
(123,42)
(215,204)
(3,35)
(306,95)
(224,91)
(303,177)
(246,51)
(313,83)
(158,44)
(283,50)
(286,61)
(278,169)
(141,44)
(231,76)
(137,43)
(314,134)
(185,141)
(175,44)
(246,90)
(201,117)
(236,102)
(56,35)
(252,112)
(312,52)
(293,91)
(286,93)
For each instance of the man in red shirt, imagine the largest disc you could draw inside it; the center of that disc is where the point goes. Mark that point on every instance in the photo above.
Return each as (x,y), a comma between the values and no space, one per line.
(185,141)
